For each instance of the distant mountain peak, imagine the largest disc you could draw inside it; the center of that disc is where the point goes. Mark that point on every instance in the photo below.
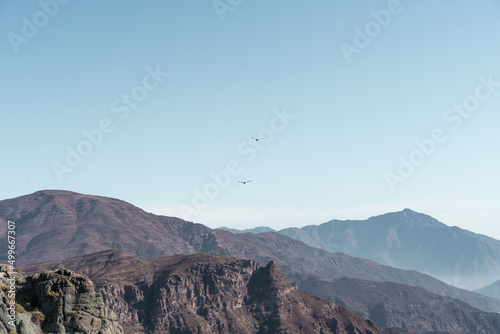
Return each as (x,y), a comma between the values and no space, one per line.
(255,230)
(492,290)
(410,217)
(410,240)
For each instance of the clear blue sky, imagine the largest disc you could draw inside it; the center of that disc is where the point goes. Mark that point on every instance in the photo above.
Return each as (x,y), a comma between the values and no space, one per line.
(354,116)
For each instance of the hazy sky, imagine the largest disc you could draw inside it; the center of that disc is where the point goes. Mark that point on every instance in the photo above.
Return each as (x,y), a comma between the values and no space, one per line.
(361,107)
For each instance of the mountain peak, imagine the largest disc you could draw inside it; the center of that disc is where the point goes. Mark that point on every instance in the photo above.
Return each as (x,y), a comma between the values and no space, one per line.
(272,269)
(410,217)
(74,224)
(255,230)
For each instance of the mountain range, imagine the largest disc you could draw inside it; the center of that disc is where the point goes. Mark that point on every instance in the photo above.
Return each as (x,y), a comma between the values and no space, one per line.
(409,240)
(57,225)
(130,286)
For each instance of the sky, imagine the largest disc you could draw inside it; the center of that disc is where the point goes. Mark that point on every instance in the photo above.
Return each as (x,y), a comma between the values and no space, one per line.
(359,107)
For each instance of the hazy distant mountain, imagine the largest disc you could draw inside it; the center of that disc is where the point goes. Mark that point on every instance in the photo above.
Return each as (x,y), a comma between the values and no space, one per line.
(492,290)
(55,225)
(411,240)
(259,229)
(205,293)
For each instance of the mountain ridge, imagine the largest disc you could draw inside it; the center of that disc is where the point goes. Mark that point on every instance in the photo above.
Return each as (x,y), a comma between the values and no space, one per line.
(208,293)
(412,241)
(386,304)
(147,236)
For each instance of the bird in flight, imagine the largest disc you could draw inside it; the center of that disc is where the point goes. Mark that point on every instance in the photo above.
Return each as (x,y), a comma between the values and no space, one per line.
(245,182)
(257,139)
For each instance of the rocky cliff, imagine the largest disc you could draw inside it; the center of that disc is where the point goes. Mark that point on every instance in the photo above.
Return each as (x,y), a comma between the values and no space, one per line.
(53,302)
(206,293)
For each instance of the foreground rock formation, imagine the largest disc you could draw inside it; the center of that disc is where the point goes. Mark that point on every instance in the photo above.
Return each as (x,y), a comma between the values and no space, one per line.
(54,302)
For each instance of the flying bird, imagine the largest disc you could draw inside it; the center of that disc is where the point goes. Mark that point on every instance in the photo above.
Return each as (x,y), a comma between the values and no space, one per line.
(257,139)
(245,182)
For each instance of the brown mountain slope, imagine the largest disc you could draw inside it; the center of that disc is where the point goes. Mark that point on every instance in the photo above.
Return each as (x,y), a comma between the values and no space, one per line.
(59,224)
(206,293)
(74,224)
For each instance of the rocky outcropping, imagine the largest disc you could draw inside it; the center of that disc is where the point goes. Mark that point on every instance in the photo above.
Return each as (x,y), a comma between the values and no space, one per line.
(58,301)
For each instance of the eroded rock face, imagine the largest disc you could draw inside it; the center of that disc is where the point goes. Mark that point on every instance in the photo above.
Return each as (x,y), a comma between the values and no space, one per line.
(59,301)
(207,293)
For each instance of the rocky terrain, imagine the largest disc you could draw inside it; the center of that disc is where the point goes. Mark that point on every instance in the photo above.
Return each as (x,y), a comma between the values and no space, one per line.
(411,240)
(117,274)
(53,302)
(75,224)
(206,293)
(396,305)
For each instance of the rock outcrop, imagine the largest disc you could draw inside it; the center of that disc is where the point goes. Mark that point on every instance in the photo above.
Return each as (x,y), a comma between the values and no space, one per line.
(58,301)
